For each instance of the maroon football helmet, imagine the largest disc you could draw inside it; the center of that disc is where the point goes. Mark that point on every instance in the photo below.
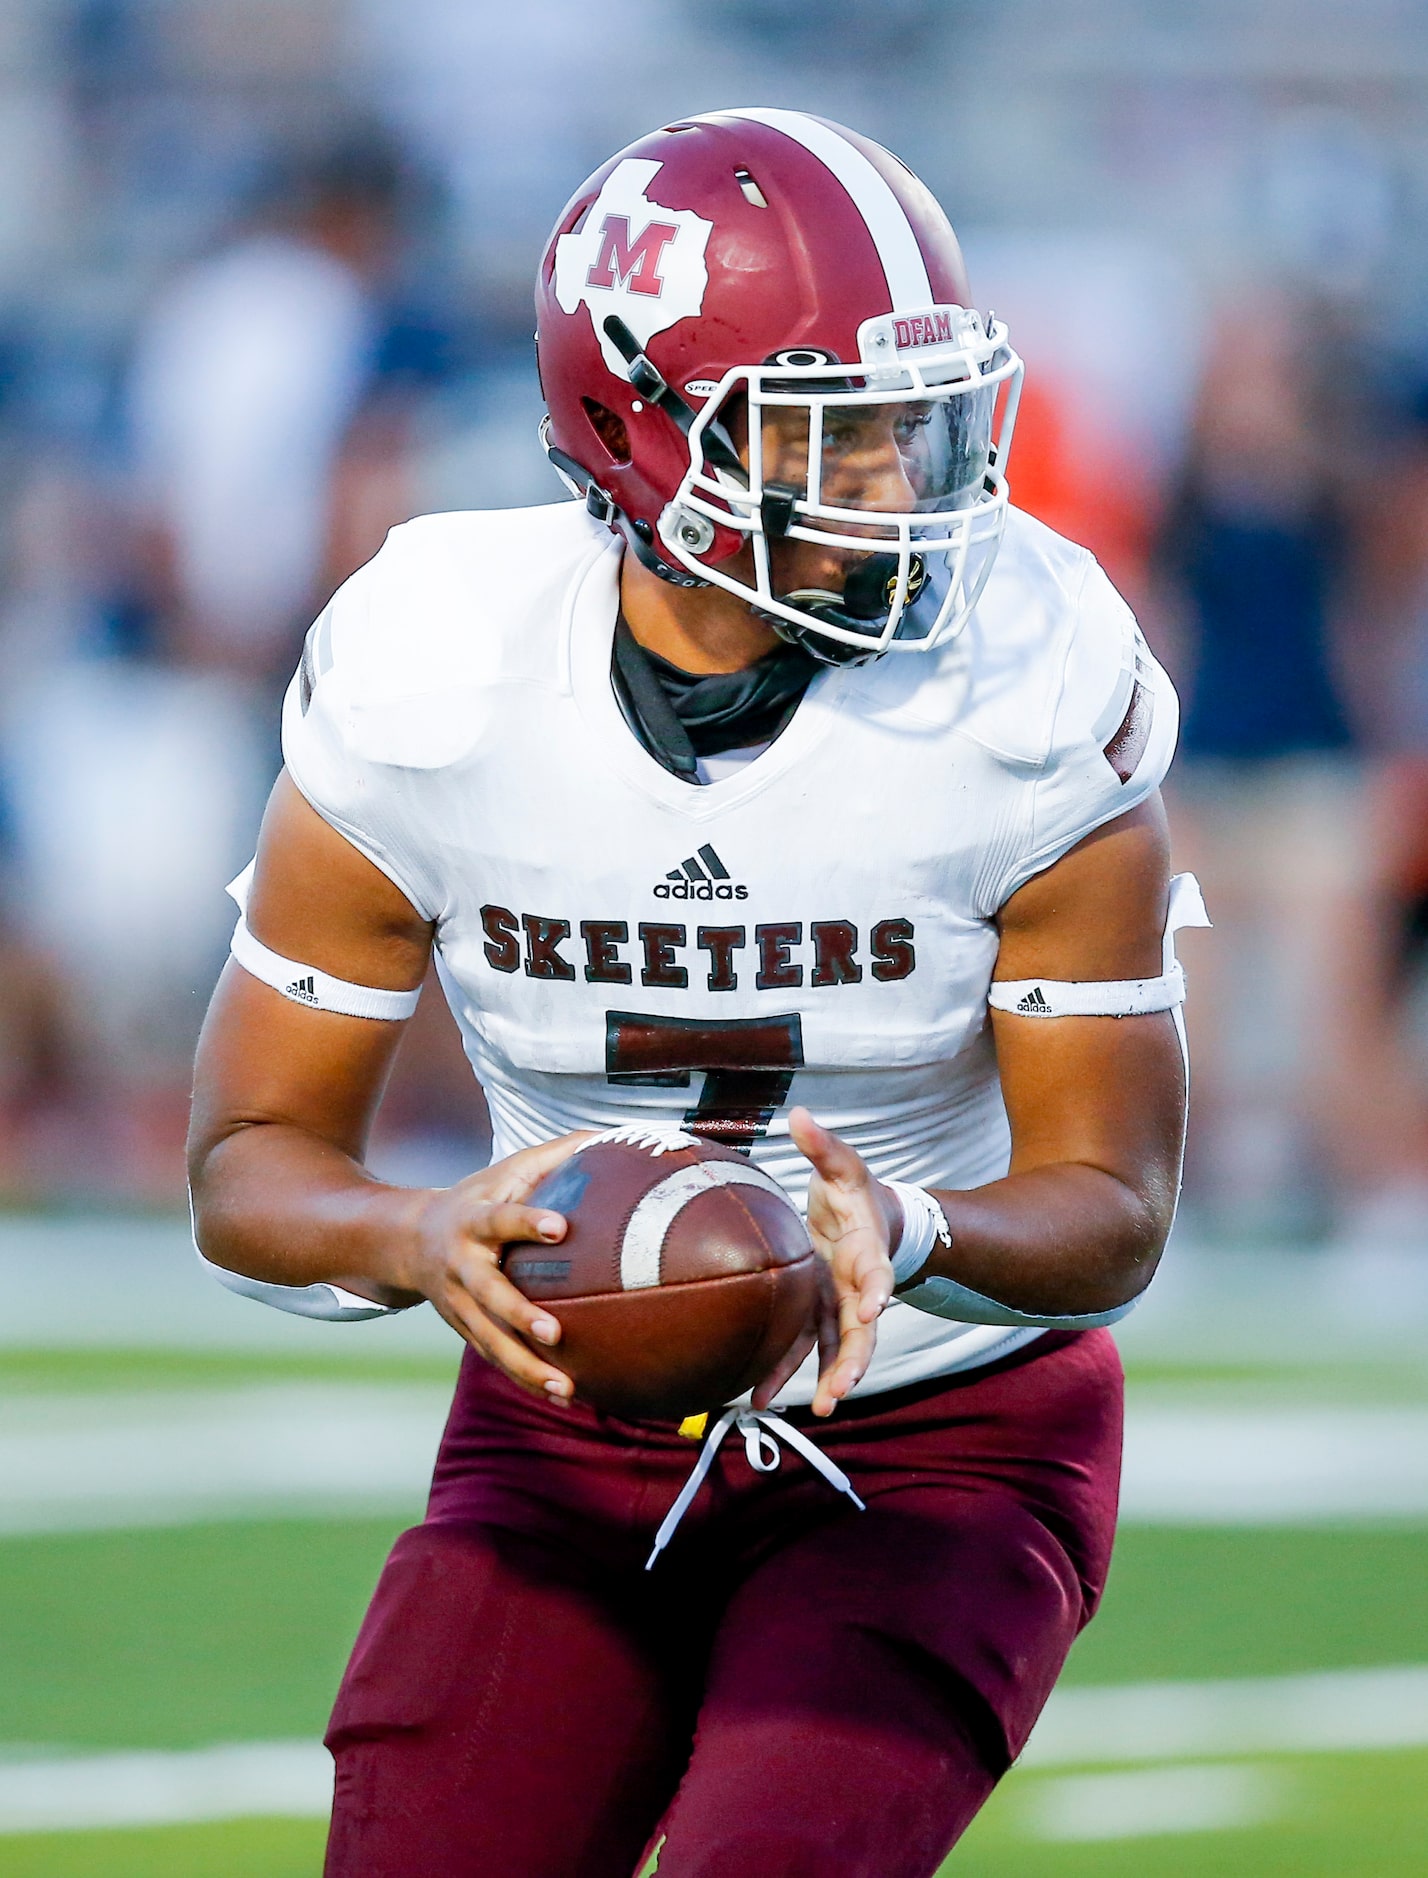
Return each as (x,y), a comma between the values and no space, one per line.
(760,365)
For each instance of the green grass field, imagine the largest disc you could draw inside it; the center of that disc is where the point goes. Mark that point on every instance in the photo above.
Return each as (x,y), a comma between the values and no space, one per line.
(173,1637)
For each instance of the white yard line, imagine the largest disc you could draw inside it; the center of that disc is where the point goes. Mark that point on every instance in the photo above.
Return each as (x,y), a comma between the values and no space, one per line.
(291,1779)
(112,1282)
(1153,1802)
(86,1462)
(1336,1711)
(1257,1465)
(1329,1711)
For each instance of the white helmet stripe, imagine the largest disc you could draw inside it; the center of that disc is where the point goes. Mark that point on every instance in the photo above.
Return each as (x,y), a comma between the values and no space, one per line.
(885,216)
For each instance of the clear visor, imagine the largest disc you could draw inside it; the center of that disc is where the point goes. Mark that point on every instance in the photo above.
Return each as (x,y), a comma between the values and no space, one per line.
(905,457)
(866,494)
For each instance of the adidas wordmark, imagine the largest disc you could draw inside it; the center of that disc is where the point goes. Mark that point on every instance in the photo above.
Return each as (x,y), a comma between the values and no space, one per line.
(702,877)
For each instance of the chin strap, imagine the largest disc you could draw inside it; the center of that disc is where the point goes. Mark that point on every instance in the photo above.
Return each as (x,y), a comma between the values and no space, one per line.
(577,478)
(603,506)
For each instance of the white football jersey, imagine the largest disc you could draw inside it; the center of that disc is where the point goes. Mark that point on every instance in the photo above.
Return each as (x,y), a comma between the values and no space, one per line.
(816,927)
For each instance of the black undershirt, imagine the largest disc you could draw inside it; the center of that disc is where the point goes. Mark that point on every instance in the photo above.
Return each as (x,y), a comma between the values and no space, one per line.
(680,716)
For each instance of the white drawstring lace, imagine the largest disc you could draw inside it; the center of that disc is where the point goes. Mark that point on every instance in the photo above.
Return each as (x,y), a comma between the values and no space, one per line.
(762,1431)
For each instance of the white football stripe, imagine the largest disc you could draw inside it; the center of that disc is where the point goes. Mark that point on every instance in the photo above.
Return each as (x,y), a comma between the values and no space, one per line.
(90,1461)
(1151,1802)
(236,1780)
(1331,1711)
(885,216)
(644,1236)
(86,1462)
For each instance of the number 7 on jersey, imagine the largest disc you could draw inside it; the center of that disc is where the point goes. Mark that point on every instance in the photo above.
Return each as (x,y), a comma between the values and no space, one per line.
(748,1066)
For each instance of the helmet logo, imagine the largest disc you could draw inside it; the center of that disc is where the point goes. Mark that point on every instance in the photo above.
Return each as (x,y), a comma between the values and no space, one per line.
(633,264)
(633,257)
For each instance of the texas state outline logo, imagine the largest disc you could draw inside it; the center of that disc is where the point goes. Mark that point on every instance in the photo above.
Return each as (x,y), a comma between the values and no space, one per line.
(633,257)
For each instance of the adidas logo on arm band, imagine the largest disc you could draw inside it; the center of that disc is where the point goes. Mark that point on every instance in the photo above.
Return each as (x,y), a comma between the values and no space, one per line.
(304,984)
(1122,997)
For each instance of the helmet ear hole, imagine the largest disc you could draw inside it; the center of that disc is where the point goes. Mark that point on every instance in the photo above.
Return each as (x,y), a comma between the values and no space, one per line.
(610,429)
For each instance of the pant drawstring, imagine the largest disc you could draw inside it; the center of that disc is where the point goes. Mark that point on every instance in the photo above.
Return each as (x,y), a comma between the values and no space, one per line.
(762,1431)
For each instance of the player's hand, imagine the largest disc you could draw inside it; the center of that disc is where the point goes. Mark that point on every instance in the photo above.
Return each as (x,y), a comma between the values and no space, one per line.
(848,1222)
(460,1233)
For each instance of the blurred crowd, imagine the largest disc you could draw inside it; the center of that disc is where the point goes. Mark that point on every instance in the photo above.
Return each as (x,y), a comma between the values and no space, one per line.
(265,290)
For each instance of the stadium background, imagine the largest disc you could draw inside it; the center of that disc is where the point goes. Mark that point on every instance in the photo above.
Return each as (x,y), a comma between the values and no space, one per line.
(264,290)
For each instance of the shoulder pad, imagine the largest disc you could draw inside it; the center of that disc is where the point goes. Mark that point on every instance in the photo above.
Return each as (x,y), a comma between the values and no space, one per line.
(403,666)
(1099,716)
(1022,641)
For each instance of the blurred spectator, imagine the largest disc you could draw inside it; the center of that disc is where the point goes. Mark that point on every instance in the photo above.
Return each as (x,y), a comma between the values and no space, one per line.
(249,370)
(38,1085)
(135,791)
(1110,330)
(1392,691)
(1306,1113)
(136,780)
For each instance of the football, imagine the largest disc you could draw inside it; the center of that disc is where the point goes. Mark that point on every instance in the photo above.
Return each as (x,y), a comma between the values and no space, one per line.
(684,1275)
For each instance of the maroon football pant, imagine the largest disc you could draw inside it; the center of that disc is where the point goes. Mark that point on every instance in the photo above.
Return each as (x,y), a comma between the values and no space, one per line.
(797,1690)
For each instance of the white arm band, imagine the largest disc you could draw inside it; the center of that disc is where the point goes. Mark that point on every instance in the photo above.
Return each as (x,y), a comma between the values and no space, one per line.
(924,1225)
(304,984)
(1124,997)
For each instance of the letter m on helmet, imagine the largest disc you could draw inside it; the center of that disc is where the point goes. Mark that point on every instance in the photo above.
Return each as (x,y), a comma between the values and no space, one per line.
(635,263)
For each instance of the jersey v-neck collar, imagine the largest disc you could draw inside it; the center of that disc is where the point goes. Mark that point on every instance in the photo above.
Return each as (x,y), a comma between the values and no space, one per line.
(590,626)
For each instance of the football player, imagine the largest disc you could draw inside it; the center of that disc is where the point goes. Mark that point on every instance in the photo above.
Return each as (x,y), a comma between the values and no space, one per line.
(788,787)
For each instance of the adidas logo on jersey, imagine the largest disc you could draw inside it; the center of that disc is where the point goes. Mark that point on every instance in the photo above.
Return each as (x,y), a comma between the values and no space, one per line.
(303,989)
(702,877)
(1033,1004)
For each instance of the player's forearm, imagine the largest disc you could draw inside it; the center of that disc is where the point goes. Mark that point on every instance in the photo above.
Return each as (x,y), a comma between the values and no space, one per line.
(273,1202)
(1066,1239)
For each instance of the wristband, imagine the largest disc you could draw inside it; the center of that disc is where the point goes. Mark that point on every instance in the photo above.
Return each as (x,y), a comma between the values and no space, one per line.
(924,1225)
